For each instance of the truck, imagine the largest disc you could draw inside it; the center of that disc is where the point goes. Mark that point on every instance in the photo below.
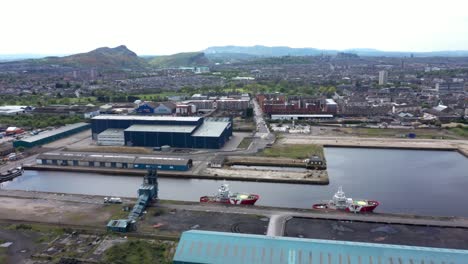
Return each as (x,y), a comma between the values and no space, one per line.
(12,156)
(112,200)
(13,131)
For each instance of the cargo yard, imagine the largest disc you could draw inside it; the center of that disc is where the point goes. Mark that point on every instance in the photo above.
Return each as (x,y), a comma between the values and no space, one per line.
(169,219)
(205,149)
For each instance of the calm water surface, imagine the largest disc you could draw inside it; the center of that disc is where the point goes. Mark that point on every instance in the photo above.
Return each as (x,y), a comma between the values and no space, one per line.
(403,181)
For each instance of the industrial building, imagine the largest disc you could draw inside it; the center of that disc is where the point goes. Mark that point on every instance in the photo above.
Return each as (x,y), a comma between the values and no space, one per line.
(14,109)
(147,192)
(197,246)
(125,161)
(158,131)
(52,135)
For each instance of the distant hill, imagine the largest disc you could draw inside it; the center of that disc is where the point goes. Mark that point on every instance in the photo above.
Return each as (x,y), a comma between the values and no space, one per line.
(110,58)
(265,51)
(180,60)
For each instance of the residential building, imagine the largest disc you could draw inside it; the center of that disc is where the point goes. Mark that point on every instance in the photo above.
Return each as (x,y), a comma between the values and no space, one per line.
(383,76)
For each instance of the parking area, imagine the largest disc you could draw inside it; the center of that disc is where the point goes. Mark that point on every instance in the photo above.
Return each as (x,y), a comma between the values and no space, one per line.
(411,235)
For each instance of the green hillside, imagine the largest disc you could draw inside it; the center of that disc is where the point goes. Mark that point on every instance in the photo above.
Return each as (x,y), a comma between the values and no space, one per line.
(110,58)
(180,60)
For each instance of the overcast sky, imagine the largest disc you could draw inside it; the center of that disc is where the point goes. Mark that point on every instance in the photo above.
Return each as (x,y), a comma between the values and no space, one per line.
(171,26)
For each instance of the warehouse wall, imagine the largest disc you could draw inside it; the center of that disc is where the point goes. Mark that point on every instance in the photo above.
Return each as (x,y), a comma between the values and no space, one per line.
(158,139)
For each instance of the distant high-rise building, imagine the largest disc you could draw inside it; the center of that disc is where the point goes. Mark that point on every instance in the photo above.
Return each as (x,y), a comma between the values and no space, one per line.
(383,76)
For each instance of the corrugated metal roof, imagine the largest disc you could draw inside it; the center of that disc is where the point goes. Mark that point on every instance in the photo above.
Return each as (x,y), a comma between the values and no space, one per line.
(109,158)
(54,132)
(121,223)
(149,160)
(161,161)
(161,128)
(218,247)
(211,129)
(146,118)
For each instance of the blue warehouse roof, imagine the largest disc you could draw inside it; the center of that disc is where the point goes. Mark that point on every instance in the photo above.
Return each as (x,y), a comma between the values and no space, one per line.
(218,247)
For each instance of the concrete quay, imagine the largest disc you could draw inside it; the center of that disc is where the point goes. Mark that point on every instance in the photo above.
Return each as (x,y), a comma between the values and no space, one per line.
(263,177)
(460,146)
(278,216)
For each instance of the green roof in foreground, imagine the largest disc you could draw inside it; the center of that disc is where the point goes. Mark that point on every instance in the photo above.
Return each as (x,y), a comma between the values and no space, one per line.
(54,132)
(219,247)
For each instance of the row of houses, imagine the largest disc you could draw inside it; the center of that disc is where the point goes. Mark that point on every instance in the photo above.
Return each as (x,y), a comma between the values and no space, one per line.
(273,104)
(190,107)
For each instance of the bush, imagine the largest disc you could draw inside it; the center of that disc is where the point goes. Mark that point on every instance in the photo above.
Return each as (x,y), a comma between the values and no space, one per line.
(23,227)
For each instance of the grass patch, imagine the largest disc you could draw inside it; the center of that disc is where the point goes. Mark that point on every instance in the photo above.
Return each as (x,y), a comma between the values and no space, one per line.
(47,233)
(3,255)
(460,131)
(117,211)
(293,151)
(245,143)
(138,252)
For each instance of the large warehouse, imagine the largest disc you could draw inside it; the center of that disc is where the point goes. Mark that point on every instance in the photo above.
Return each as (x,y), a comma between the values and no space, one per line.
(157,131)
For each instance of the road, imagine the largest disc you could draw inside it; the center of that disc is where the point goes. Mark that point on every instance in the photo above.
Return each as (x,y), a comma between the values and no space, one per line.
(13,164)
(262,128)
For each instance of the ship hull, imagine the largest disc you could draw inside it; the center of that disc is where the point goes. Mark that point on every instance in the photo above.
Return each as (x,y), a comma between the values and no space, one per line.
(250,200)
(368,208)
(11,175)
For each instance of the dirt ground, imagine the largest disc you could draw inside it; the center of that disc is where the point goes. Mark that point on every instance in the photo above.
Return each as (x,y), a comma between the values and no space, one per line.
(23,245)
(53,211)
(426,236)
(312,175)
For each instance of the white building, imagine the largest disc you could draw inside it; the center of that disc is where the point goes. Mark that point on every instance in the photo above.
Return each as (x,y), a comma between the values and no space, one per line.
(383,76)
(111,137)
(14,109)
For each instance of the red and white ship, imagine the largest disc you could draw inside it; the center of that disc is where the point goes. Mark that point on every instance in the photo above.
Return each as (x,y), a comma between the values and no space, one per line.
(340,202)
(226,197)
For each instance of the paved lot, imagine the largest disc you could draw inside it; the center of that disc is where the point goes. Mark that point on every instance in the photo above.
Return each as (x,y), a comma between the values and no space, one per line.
(456,238)
(80,139)
(175,221)
(235,140)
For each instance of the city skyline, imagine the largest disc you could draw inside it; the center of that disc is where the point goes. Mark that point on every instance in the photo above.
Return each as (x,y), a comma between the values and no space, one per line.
(148,28)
